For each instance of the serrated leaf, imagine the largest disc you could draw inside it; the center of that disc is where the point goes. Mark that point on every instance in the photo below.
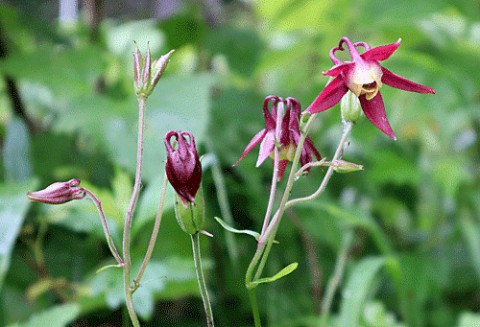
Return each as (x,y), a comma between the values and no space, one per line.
(356,291)
(282,273)
(237,231)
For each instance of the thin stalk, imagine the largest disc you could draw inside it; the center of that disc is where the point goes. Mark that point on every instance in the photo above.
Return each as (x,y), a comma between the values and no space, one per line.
(337,275)
(197,258)
(263,240)
(338,154)
(153,237)
(254,304)
(106,231)
(276,165)
(128,219)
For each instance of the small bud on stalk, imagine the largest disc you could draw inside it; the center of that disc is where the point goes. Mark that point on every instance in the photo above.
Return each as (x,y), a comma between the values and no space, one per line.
(59,192)
(146,73)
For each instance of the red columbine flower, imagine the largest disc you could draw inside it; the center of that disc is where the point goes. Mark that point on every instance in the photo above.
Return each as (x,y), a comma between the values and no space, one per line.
(59,192)
(183,167)
(289,135)
(364,77)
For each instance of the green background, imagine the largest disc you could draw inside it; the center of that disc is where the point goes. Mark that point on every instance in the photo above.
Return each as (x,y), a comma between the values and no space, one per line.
(411,219)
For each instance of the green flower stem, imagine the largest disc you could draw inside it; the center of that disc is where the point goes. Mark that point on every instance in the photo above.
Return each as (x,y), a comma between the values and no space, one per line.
(263,240)
(153,237)
(128,219)
(106,231)
(266,240)
(347,128)
(253,302)
(201,278)
(335,280)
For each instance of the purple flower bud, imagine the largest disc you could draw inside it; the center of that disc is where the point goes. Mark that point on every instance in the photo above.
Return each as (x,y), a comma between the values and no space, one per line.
(59,192)
(183,167)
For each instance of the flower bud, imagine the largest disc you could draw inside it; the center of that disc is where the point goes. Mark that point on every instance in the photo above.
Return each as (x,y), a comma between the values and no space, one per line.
(146,73)
(342,166)
(350,107)
(59,192)
(183,167)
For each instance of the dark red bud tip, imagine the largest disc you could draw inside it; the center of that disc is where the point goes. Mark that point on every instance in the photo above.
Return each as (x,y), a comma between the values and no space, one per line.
(183,167)
(59,192)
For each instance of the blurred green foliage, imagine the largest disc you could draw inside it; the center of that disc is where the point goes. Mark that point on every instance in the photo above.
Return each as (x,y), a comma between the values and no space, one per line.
(414,210)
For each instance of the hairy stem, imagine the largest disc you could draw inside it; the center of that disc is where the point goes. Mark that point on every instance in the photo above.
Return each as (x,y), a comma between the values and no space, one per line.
(128,219)
(201,279)
(338,154)
(153,237)
(106,231)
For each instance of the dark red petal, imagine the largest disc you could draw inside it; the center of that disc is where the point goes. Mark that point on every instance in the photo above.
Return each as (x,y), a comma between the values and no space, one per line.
(402,83)
(338,69)
(255,140)
(329,97)
(311,147)
(382,52)
(282,165)
(375,112)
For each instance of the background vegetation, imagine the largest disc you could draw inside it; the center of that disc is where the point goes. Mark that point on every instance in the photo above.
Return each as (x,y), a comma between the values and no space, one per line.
(408,226)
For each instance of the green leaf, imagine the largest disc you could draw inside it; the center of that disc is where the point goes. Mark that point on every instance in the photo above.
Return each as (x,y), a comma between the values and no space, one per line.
(59,316)
(469,319)
(13,207)
(356,291)
(237,231)
(471,234)
(282,273)
(16,156)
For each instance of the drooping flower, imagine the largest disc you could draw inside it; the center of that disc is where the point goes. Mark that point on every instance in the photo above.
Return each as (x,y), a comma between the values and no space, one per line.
(183,167)
(59,192)
(289,132)
(364,76)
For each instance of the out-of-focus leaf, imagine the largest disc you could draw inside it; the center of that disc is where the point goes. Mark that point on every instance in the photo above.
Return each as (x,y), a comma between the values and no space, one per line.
(120,38)
(450,172)
(181,30)
(291,15)
(356,291)
(59,316)
(66,72)
(13,207)
(471,234)
(241,47)
(16,152)
(393,167)
(375,315)
(469,319)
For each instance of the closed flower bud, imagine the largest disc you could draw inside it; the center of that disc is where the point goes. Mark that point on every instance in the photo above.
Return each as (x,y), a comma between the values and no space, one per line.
(183,167)
(350,107)
(59,192)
